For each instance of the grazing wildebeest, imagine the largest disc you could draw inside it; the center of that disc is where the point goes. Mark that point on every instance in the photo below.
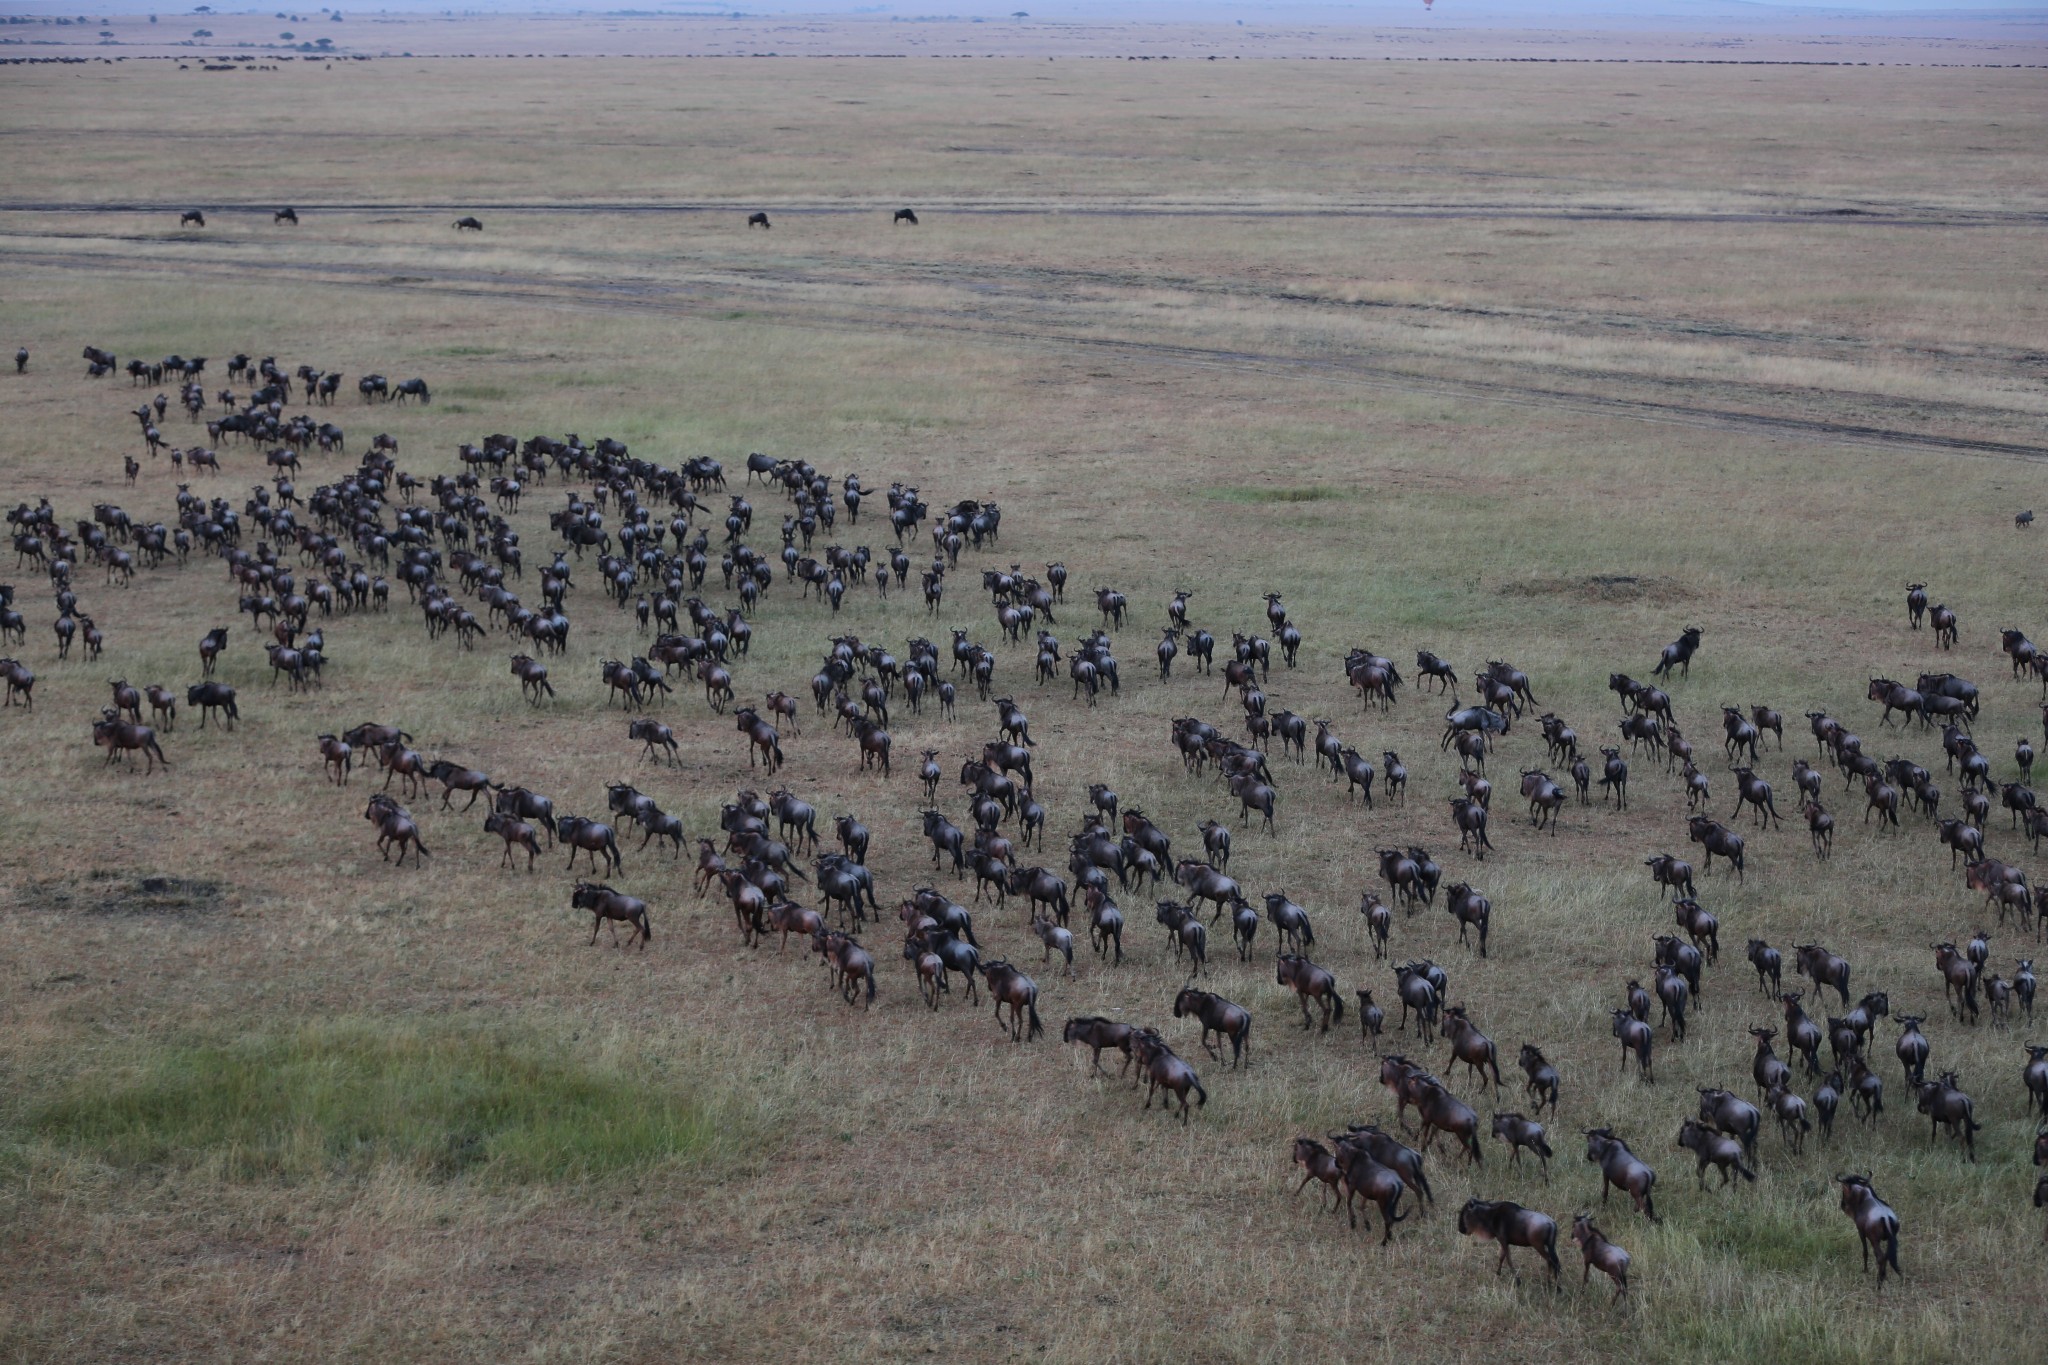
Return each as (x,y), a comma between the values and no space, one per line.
(758,220)
(191,218)
(469,224)
(903,216)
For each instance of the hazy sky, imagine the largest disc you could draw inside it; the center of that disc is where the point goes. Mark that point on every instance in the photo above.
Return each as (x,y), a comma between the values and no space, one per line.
(1517,12)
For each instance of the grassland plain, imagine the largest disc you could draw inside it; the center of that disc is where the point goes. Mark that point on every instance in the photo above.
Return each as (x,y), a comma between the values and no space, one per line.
(270,1098)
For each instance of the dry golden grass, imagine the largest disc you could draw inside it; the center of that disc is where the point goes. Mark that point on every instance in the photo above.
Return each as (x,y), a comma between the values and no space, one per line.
(914,1185)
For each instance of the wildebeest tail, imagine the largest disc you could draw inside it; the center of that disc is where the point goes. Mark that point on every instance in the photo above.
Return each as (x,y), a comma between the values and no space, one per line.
(1338,997)
(1201,1095)
(871,997)
(1031,1012)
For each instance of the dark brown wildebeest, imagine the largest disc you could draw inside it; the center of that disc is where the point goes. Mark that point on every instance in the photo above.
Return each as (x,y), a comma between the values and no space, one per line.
(1379,921)
(754,220)
(191,218)
(533,677)
(1008,986)
(1621,1169)
(1877,1227)
(1166,1071)
(120,738)
(1096,1033)
(1713,1149)
(1701,926)
(395,825)
(469,224)
(903,216)
(1363,1174)
(1751,790)
(163,705)
(1311,982)
(1470,817)
(213,696)
(1769,966)
(1220,1017)
(850,963)
(1471,910)
(763,743)
(1419,995)
(1317,1163)
(458,779)
(1790,1111)
(654,735)
(1469,1045)
(1546,798)
(1543,1082)
(1511,1225)
(1600,1254)
(516,833)
(1614,778)
(590,838)
(1820,828)
(127,698)
(337,757)
(1959,977)
(1636,1037)
(1822,967)
(1519,1132)
(1729,1113)
(211,648)
(1766,1068)
(1678,654)
(607,906)
(1671,874)
(1717,839)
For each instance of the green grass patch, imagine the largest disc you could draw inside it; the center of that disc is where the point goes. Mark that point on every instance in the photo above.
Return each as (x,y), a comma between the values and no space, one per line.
(346,1097)
(485,393)
(1241,493)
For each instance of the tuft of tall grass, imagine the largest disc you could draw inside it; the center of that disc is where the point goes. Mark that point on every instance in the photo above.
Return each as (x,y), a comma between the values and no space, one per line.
(344,1097)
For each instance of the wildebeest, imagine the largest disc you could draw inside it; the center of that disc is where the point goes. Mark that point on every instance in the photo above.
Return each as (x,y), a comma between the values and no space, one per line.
(469,224)
(1511,1225)
(395,825)
(1877,1227)
(1621,1169)
(607,906)
(758,220)
(903,216)
(1311,982)
(191,218)
(1678,654)
(1219,1017)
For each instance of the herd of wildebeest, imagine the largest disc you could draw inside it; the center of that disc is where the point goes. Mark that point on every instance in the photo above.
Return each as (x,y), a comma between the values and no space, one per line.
(650,535)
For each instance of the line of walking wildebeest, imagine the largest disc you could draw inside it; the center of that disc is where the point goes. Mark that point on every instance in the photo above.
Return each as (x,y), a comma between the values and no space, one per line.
(639,519)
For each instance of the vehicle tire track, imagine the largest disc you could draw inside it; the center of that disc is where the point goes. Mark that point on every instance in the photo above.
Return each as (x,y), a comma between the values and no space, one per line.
(708,301)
